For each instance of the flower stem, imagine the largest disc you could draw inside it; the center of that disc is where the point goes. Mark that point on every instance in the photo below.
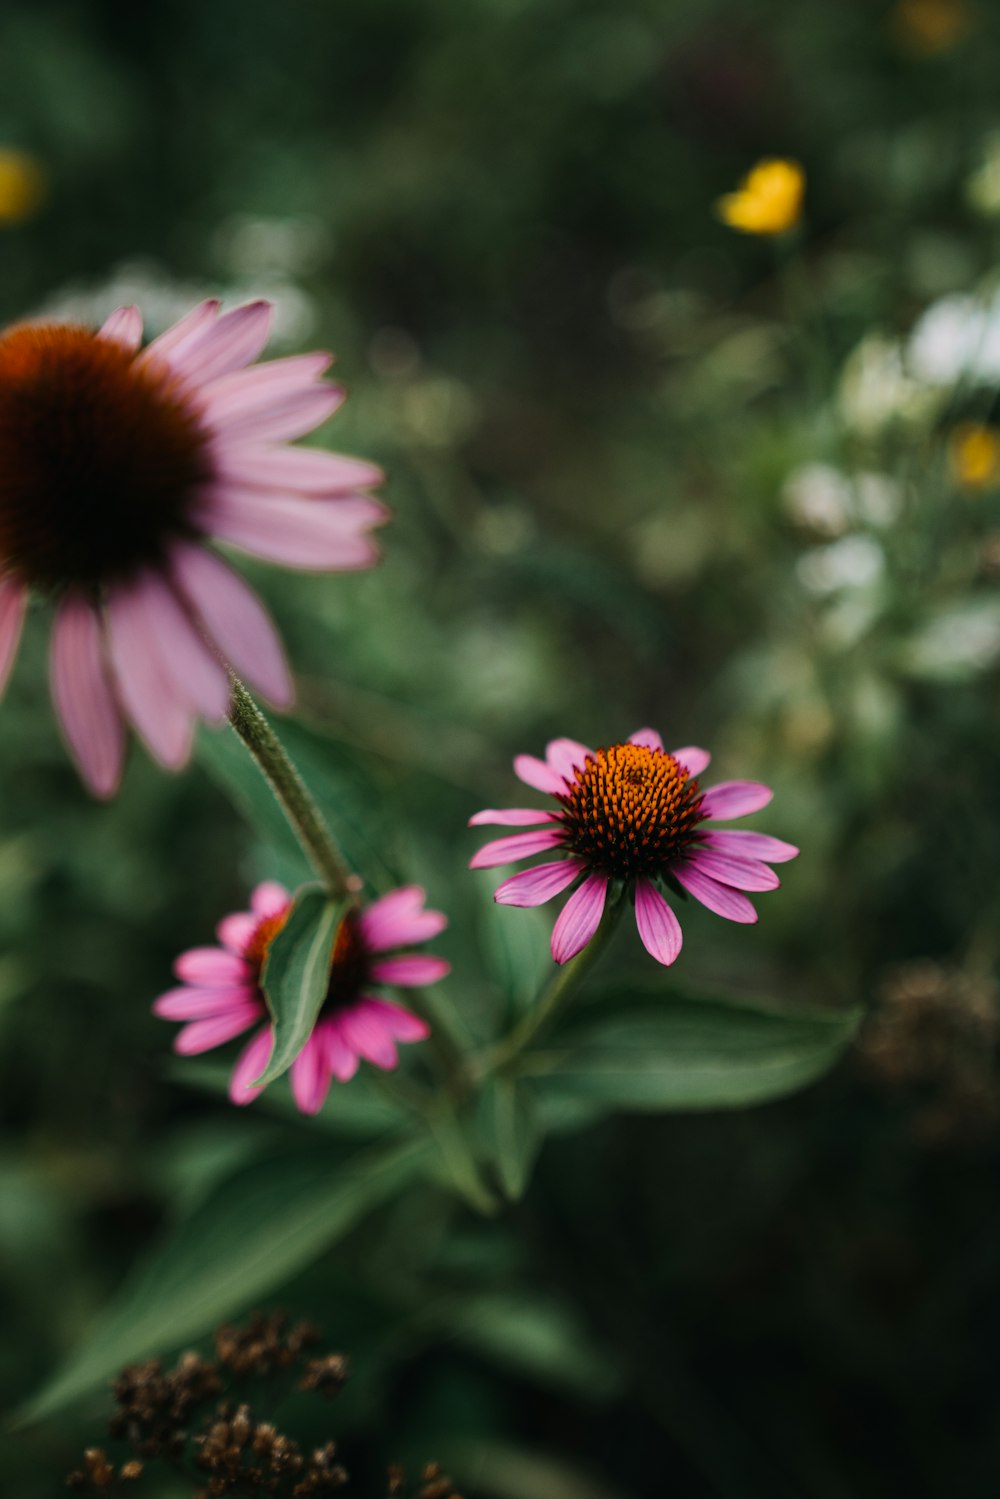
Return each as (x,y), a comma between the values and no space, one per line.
(552,1000)
(292,794)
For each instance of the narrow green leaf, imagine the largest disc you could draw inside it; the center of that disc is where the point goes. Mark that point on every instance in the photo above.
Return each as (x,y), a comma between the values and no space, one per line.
(691,1054)
(511,1132)
(296,974)
(453,1162)
(262,1225)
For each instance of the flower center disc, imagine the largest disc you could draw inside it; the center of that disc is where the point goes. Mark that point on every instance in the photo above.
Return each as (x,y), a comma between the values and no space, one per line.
(631,811)
(348,959)
(100,458)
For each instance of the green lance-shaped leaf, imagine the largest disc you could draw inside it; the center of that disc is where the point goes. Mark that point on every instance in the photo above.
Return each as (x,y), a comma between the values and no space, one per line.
(296,974)
(262,1225)
(687,1053)
(511,1132)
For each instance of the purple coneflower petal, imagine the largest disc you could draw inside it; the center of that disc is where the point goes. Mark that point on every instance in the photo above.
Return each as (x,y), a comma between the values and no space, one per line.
(411,971)
(176,337)
(742,874)
(211,966)
(735,799)
(579,918)
(311,1076)
(85,705)
(693,759)
(399,919)
(517,846)
(658,927)
(275,418)
(566,756)
(124,327)
(541,777)
(236,620)
(305,471)
(189,1003)
(235,931)
(533,887)
(249,1065)
(366,1032)
(162,719)
(269,899)
(198,678)
(229,343)
(316,535)
(718,898)
(751,845)
(251,392)
(647,737)
(205,1035)
(341,1058)
(13,603)
(398,1021)
(511,817)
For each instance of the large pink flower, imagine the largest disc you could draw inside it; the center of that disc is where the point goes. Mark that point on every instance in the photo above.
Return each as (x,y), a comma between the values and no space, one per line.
(220,995)
(117,465)
(637,815)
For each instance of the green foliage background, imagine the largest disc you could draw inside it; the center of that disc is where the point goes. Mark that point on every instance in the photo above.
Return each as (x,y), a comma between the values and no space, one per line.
(589,396)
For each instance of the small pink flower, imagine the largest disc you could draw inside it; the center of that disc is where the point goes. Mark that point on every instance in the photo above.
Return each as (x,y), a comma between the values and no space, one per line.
(117,465)
(220,995)
(636,815)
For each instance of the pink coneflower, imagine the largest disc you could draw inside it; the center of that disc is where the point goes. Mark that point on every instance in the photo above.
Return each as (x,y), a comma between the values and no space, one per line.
(636,815)
(220,995)
(117,465)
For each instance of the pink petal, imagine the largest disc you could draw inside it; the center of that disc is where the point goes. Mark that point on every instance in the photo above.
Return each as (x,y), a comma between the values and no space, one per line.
(187,1003)
(232,341)
(534,772)
(250,392)
(399,919)
(318,535)
(566,756)
(367,1033)
(13,603)
(164,721)
(647,737)
(269,899)
(659,928)
(124,327)
(511,817)
(735,799)
(85,705)
(296,470)
(235,619)
(579,919)
(718,898)
(400,1023)
(517,846)
(742,874)
(751,845)
(340,1057)
(532,887)
(211,965)
(198,678)
(235,931)
(204,1035)
(411,971)
(249,1065)
(268,414)
(175,338)
(311,1076)
(693,759)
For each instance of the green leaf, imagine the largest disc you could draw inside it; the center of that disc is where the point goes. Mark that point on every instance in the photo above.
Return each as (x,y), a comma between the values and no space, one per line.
(691,1054)
(228,763)
(296,974)
(262,1225)
(511,1132)
(454,1164)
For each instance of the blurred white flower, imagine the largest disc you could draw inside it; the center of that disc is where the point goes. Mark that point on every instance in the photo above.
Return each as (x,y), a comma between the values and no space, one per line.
(825,500)
(875,389)
(958,336)
(957,643)
(982,189)
(851,562)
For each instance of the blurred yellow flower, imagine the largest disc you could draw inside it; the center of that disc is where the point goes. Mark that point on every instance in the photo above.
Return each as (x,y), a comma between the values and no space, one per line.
(974,455)
(22,186)
(768,200)
(926,27)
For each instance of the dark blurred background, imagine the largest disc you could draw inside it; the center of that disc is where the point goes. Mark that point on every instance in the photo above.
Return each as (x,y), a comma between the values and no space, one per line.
(644,469)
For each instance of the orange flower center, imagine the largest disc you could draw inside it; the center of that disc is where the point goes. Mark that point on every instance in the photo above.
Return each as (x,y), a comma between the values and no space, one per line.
(349,958)
(631,811)
(101,458)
